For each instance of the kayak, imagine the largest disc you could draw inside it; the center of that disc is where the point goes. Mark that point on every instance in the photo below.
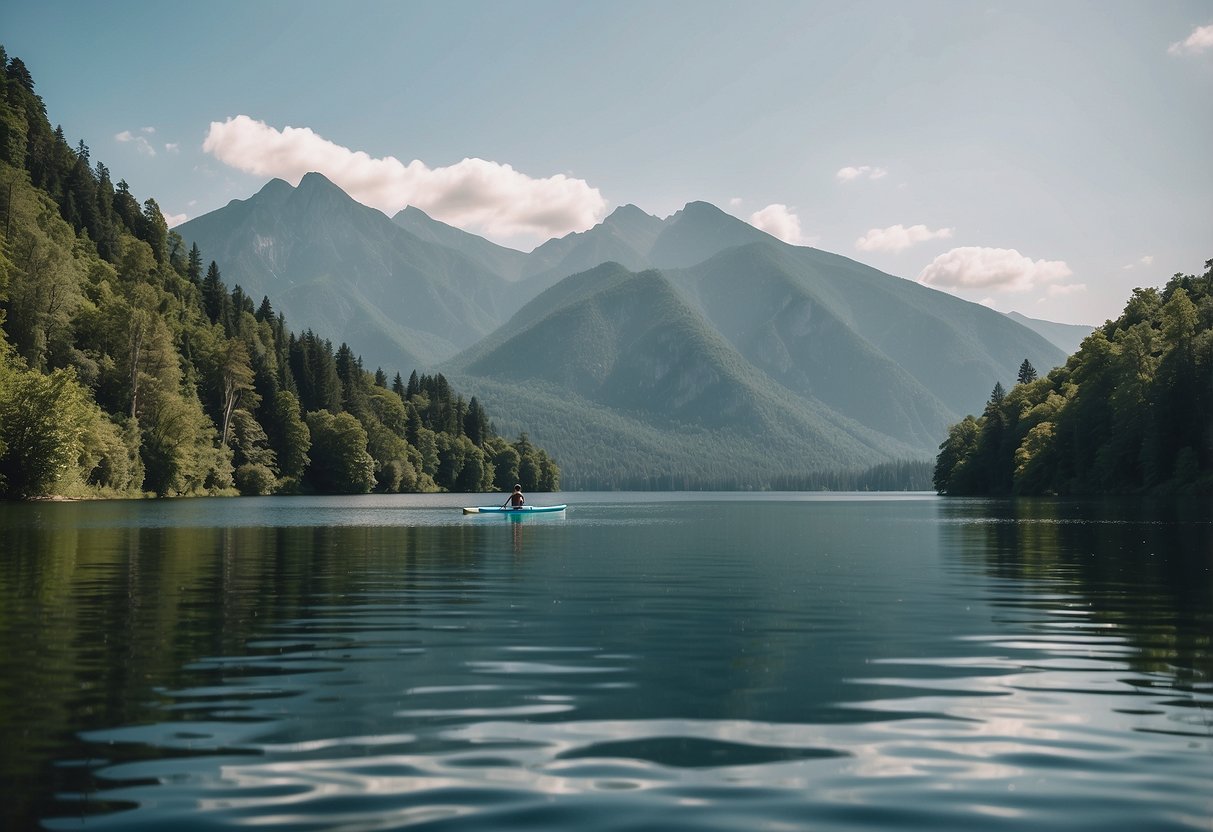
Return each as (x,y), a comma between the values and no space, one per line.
(504,510)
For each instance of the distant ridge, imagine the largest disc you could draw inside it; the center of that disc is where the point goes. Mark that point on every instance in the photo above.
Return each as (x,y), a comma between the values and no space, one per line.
(507,262)
(346,271)
(706,349)
(1066,337)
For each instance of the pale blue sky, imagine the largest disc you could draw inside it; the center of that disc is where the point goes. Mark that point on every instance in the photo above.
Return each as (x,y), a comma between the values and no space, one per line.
(1076,134)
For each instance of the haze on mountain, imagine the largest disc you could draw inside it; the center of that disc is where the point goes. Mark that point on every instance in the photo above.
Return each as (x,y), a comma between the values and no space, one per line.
(693,350)
(1066,337)
(344,270)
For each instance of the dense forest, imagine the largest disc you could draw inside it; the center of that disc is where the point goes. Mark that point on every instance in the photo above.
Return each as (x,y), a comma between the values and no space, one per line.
(1130,413)
(128,368)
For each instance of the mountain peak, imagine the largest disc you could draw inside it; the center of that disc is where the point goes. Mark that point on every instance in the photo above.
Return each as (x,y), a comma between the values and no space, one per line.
(316,181)
(628,211)
(699,231)
(275,186)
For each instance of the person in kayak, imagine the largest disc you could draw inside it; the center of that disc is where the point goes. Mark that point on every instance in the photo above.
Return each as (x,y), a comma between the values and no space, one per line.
(516,500)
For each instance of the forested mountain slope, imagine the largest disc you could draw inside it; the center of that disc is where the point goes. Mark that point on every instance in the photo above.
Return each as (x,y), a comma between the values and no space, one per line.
(126,367)
(621,351)
(338,267)
(1131,412)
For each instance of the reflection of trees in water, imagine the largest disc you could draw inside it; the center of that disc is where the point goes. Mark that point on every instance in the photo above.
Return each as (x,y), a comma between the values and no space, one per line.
(96,623)
(1136,569)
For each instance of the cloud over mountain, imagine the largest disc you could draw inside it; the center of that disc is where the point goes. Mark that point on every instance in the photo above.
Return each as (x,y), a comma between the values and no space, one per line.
(898,237)
(490,197)
(1002,269)
(780,221)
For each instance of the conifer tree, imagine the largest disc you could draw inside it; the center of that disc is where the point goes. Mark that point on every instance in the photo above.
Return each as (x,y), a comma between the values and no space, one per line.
(1027,373)
(214,294)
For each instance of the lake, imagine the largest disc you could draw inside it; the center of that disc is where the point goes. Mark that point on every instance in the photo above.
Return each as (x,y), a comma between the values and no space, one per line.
(643,661)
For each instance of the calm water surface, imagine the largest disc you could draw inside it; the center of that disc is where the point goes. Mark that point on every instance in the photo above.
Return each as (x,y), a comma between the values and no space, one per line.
(646,661)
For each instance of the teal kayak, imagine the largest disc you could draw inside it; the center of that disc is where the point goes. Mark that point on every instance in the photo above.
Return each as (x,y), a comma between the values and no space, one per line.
(504,510)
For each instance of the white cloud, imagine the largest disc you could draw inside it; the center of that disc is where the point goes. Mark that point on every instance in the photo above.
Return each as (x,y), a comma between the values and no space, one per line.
(779,221)
(141,143)
(735,202)
(172,147)
(1001,269)
(173,219)
(1199,41)
(490,197)
(898,237)
(147,129)
(850,173)
(1144,261)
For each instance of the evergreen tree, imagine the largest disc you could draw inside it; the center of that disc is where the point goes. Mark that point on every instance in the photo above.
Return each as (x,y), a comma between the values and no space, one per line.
(476,423)
(153,230)
(1027,373)
(215,299)
(289,437)
(126,207)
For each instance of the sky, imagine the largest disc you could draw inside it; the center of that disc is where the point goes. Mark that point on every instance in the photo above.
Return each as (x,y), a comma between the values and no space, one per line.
(1040,157)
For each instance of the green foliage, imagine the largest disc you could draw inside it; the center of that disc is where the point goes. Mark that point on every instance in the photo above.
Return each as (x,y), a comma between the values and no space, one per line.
(44,420)
(1129,413)
(255,480)
(125,370)
(1027,373)
(953,474)
(289,436)
(340,462)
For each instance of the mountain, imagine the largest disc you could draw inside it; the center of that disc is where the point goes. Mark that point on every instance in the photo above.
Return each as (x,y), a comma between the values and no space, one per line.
(350,274)
(764,300)
(695,346)
(615,352)
(763,341)
(639,241)
(507,262)
(1066,337)
(820,321)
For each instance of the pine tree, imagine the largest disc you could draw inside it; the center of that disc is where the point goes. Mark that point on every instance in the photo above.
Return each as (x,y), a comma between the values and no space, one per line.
(476,423)
(1027,373)
(153,230)
(214,294)
(193,268)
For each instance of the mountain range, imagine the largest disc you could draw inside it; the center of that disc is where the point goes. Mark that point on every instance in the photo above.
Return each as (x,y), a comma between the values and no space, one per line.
(686,351)
(1066,337)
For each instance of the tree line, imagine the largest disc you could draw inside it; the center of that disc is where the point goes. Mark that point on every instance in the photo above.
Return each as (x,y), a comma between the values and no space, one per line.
(128,368)
(1130,413)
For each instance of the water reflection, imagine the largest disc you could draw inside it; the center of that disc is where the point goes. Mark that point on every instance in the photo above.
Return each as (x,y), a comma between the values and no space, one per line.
(714,664)
(1133,575)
